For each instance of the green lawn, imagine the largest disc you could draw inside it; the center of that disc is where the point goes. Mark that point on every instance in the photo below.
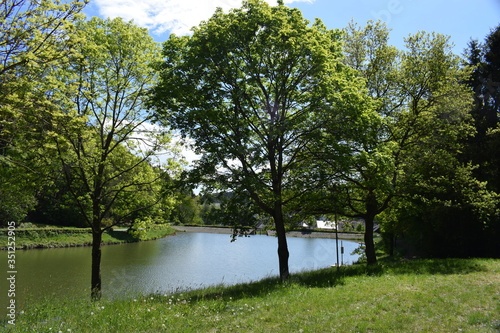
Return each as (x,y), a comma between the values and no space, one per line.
(406,296)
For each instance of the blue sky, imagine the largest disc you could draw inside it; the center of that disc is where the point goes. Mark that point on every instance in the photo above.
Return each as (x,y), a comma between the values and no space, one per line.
(460,19)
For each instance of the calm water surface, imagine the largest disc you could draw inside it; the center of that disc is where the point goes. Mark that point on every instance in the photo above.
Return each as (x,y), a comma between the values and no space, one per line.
(185,261)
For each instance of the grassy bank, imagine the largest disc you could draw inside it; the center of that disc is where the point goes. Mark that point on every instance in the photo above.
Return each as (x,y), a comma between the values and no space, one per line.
(408,296)
(51,237)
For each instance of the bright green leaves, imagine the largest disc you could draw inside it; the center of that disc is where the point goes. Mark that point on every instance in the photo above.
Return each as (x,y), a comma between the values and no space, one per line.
(35,37)
(113,72)
(33,33)
(105,145)
(420,96)
(250,84)
(255,88)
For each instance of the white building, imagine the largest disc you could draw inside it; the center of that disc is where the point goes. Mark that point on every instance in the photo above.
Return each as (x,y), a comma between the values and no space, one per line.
(323,224)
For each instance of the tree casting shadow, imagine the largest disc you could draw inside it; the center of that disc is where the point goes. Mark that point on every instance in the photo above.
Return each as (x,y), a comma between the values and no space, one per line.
(331,277)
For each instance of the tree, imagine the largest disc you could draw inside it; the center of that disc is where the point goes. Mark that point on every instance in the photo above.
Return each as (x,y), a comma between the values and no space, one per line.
(491,78)
(446,212)
(482,149)
(16,191)
(231,209)
(442,208)
(187,210)
(103,142)
(34,31)
(485,81)
(34,36)
(422,104)
(252,88)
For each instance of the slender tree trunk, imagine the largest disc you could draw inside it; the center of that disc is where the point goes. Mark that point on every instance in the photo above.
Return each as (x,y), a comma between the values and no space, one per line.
(392,243)
(283,253)
(371,258)
(96,283)
(371,212)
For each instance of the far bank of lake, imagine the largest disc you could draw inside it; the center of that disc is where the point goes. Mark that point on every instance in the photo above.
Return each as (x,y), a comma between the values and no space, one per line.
(305,233)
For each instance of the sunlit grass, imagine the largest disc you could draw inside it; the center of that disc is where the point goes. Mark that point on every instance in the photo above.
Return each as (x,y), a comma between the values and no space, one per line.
(410,296)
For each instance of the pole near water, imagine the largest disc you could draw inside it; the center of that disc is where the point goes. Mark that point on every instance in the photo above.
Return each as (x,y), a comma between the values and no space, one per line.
(337,240)
(342,251)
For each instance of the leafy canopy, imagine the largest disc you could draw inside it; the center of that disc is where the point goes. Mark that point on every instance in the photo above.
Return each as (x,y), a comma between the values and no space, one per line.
(252,87)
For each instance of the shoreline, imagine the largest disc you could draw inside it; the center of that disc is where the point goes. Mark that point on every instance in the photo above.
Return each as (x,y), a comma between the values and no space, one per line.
(69,240)
(302,234)
(202,229)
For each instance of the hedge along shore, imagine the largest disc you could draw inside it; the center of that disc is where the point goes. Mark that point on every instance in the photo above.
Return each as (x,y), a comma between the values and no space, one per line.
(57,237)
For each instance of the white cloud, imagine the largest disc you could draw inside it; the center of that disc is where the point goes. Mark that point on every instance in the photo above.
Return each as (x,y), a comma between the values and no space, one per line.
(176,16)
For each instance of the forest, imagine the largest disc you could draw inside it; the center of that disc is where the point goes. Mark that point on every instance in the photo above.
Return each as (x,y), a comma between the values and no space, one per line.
(292,121)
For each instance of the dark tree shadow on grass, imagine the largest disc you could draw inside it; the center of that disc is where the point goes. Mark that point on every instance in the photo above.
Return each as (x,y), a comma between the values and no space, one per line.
(122,236)
(332,277)
(434,266)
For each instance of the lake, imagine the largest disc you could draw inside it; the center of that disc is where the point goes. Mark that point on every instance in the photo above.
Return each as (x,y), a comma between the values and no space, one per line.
(184,261)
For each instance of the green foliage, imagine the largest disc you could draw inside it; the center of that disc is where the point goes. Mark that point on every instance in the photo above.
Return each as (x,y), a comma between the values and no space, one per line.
(103,144)
(34,37)
(32,33)
(101,139)
(482,149)
(423,105)
(250,116)
(235,210)
(139,229)
(291,119)
(253,87)
(55,206)
(16,191)
(360,227)
(73,115)
(452,210)
(46,232)
(450,214)
(187,210)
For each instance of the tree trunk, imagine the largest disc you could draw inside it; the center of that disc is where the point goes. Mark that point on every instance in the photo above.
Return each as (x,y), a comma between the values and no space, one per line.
(392,243)
(371,258)
(283,253)
(96,283)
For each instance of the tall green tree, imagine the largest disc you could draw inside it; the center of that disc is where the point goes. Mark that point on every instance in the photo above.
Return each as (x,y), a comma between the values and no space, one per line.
(104,142)
(252,88)
(482,149)
(444,206)
(422,103)
(34,36)
(485,82)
